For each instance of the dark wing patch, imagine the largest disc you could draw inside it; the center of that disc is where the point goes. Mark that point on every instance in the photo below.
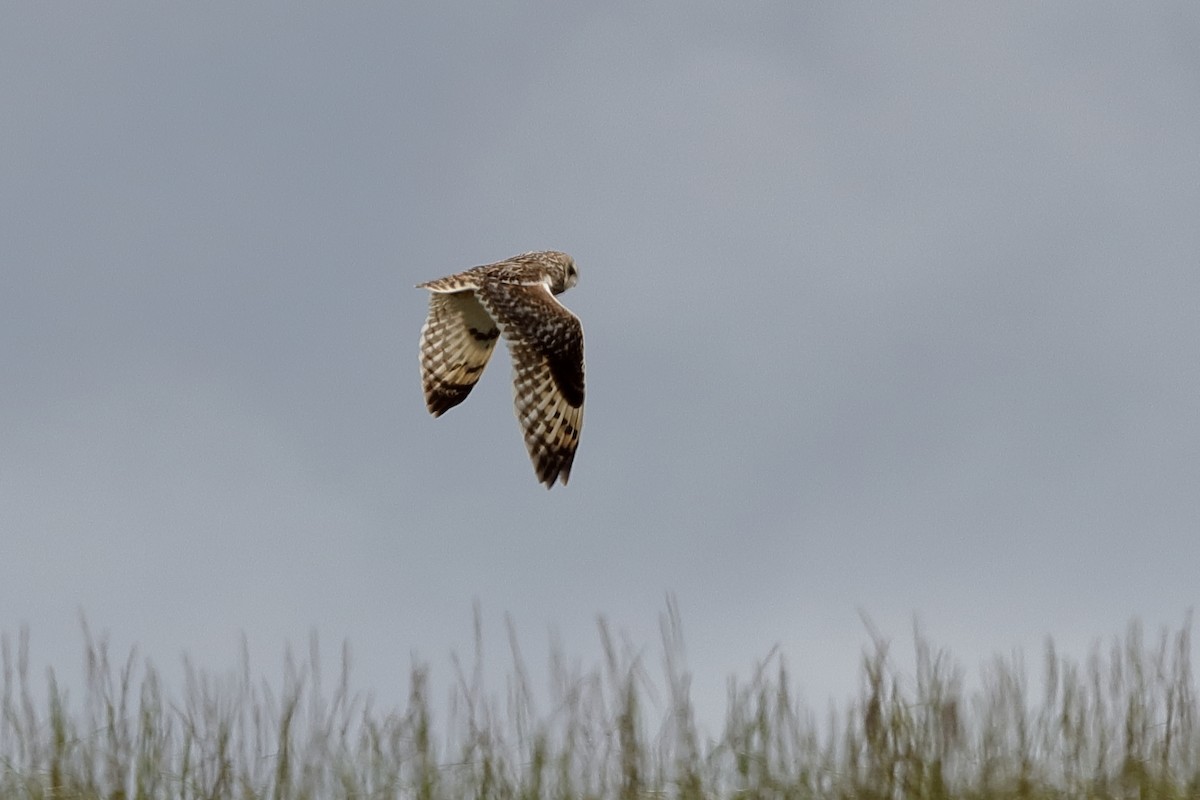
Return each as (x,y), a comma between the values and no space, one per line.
(546,326)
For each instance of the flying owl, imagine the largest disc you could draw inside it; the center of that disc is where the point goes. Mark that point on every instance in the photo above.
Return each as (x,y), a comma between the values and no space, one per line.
(515,298)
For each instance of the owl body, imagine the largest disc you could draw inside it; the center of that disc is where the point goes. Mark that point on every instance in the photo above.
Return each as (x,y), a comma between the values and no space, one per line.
(549,268)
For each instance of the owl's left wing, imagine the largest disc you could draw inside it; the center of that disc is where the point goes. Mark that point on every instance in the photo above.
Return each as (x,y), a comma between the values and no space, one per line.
(456,343)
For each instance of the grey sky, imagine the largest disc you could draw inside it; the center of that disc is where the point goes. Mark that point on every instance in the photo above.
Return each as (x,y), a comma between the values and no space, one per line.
(887,308)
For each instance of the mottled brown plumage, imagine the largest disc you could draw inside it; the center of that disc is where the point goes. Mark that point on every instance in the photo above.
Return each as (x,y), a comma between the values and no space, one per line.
(514,298)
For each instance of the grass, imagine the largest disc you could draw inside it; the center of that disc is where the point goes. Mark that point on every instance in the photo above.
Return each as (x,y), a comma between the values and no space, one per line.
(1120,724)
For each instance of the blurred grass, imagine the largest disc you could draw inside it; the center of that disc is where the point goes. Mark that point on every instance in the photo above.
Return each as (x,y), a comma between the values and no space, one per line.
(1121,724)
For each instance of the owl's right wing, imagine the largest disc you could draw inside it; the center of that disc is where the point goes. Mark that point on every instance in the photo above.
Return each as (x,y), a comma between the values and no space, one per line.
(546,343)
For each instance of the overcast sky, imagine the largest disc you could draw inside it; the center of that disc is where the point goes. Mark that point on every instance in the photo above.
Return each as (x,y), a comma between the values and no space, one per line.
(888,307)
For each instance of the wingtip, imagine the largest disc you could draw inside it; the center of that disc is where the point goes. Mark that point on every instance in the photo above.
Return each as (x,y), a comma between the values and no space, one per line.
(554,476)
(438,404)
(439,408)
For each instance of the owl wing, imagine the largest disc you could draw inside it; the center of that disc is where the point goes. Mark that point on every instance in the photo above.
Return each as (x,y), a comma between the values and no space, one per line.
(456,342)
(546,343)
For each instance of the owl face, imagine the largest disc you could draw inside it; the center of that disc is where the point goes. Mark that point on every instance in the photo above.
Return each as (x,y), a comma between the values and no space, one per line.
(562,271)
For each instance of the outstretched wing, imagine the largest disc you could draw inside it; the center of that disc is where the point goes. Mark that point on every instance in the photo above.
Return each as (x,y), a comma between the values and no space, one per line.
(456,342)
(546,343)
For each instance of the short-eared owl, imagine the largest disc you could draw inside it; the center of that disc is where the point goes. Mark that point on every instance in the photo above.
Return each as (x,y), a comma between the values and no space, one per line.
(514,298)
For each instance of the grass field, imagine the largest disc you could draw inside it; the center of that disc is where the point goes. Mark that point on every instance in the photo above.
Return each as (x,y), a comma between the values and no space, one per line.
(1122,723)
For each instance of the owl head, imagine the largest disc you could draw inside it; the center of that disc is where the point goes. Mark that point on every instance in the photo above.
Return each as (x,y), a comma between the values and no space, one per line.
(560,268)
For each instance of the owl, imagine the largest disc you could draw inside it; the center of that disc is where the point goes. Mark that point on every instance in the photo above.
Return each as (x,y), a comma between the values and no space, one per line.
(518,299)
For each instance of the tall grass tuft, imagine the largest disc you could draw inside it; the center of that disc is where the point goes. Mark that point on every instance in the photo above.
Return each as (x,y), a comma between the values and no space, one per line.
(1120,724)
